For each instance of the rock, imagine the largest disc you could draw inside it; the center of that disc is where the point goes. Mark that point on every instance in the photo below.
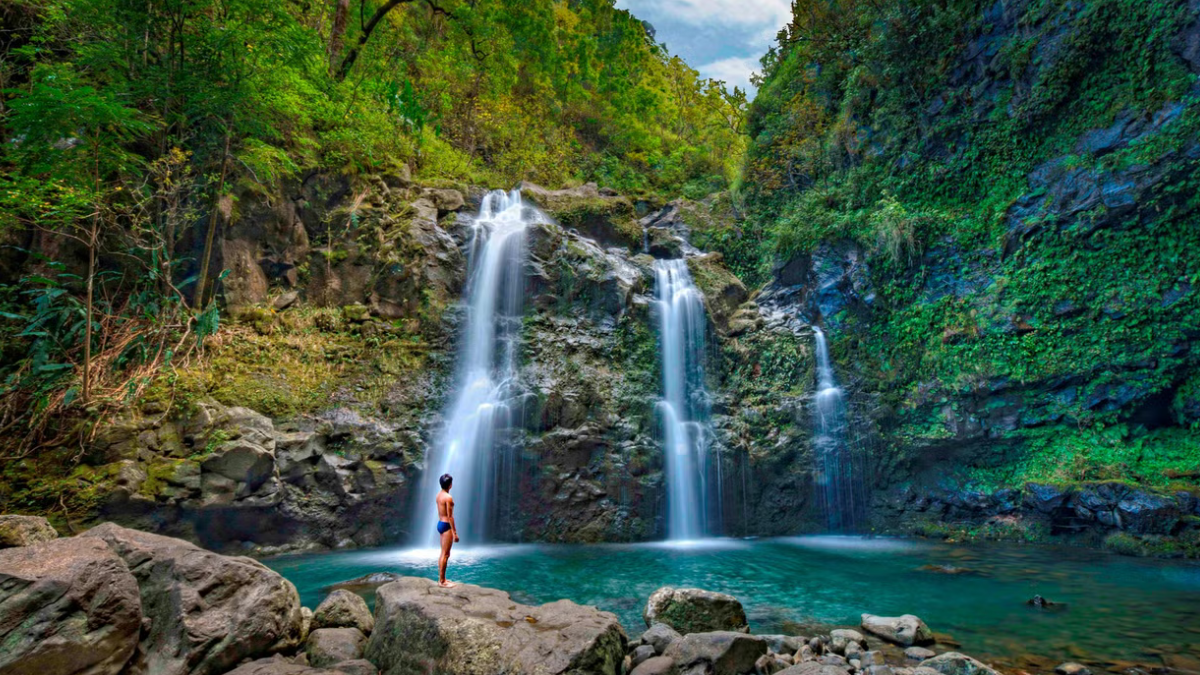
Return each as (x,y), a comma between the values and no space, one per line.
(356,667)
(25,531)
(343,609)
(919,653)
(906,630)
(769,664)
(660,636)
(833,660)
(445,199)
(608,220)
(693,610)
(1045,498)
(356,313)
(954,663)
(726,652)
(784,644)
(241,461)
(852,650)
(327,646)
(1147,513)
(1042,603)
(286,300)
(840,638)
(658,665)
(872,658)
(642,653)
(206,612)
(367,582)
(813,668)
(472,630)
(279,666)
(1072,668)
(66,606)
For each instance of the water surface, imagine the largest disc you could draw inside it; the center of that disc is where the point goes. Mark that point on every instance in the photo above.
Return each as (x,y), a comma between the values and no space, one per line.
(1120,612)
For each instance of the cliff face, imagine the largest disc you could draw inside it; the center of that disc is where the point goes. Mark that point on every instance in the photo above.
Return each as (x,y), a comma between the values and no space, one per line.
(995,221)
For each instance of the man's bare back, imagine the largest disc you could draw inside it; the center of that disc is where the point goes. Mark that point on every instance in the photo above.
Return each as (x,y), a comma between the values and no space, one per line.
(445,527)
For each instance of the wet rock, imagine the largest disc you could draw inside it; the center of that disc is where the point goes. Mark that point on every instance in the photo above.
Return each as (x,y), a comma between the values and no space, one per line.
(919,653)
(327,646)
(367,582)
(67,606)
(206,612)
(1042,603)
(954,663)
(658,665)
(343,609)
(474,630)
(25,531)
(694,610)
(608,220)
(660,636)
(906,630)
(725,652)
(1045,498)
(1147,513)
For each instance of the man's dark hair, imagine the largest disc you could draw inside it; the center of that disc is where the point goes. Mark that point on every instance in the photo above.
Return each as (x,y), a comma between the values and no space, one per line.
(445,481)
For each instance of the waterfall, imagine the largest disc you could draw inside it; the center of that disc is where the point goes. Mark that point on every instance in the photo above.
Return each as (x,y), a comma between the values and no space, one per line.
(834,471)
(683,410)
(476,420)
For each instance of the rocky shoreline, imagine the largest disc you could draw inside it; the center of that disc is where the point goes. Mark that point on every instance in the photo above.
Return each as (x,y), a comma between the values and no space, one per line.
(116,601)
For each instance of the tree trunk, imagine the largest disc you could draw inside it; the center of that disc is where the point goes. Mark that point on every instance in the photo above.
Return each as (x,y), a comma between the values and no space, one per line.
(213,221)
(89,312)
(336,33)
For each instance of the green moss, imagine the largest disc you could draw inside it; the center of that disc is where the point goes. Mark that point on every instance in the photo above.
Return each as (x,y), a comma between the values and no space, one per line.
(1186,545)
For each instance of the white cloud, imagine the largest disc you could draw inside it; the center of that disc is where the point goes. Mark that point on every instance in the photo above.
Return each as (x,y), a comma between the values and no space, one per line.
(705,12)
(735,71)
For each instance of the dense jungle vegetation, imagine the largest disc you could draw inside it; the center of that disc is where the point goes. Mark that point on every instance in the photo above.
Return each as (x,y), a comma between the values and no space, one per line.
(129,126)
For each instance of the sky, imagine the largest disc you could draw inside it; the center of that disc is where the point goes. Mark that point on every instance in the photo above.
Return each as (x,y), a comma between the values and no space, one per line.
(723,39)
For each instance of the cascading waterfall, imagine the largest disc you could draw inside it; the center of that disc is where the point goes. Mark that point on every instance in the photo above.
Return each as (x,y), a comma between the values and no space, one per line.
(834,462)
(479,414)
(684,408)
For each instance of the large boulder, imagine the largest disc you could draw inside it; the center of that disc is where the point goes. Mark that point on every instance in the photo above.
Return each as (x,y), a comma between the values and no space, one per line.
(1147,513)
(67,606)
(954,663)
(608,219)
(25,531)
(906,630)
(343,609)
(207,612)
(694,610)
(329,646)
(718,652)
(280,666)
(469,630)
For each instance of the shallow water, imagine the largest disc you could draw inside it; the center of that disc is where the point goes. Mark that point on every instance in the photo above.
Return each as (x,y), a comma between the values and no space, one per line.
(1120,611)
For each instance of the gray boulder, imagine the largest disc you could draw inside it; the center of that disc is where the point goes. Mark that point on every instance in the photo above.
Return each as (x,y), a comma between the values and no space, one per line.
(841,638)
(356,667)
(813,668)
(25,531)
(906,630)
(67,606)
(640,654)
(725,652)
(658,665)
(469,630)
(954,663)
(660,636)
(919,653)
(207,612)
(280,666)
(784,644)
(694,610)
(328,646)
(343,609)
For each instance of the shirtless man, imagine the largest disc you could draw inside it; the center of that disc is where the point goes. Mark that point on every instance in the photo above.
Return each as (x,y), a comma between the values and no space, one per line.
(445,527)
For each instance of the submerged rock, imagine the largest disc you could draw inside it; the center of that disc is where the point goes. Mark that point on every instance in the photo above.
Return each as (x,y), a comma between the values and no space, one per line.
(343,609)
(694,610)
(469,630)
(954,663)
(25,531)
(206,612)
(68,606)
(906,630)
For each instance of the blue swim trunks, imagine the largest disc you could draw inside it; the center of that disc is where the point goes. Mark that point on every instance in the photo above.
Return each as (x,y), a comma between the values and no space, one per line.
(443,527)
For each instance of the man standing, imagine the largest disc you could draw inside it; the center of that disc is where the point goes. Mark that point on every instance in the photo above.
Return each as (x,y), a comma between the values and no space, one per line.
(445,527)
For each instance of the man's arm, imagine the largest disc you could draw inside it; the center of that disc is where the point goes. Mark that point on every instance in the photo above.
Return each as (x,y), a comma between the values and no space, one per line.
(450,516)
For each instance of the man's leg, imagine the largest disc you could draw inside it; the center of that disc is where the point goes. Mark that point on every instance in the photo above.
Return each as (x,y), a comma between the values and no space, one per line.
(447,542)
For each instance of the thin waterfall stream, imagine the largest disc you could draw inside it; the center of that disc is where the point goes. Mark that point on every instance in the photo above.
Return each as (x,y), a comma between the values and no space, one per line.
(834,461)
(479,414)
(684,408)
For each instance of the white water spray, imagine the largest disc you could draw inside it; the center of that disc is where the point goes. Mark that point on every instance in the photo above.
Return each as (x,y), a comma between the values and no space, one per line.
(683,411)
(479,415)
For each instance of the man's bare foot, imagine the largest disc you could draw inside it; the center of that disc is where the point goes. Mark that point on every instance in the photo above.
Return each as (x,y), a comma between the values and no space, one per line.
(446,584)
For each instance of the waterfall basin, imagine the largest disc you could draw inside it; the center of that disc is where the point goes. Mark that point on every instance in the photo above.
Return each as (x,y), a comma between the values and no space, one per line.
(1119,612)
